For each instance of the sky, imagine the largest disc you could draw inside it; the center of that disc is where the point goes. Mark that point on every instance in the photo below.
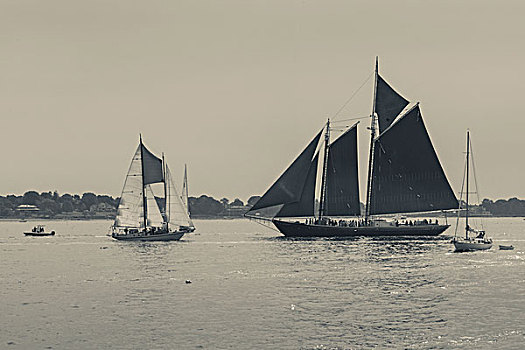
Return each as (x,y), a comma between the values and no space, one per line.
(236,89)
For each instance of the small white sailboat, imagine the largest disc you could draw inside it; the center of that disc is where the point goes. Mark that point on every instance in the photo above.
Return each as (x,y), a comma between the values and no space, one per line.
(143,216)
(477,239)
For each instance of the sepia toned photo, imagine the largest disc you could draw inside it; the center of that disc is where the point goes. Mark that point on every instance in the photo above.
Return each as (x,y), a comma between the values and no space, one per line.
(262,174)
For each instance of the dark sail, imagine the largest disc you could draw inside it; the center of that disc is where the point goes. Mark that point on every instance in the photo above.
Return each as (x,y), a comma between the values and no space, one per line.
(388,104)
(305,205)
(289,187)
(152,167)
(342,187)
(407,175)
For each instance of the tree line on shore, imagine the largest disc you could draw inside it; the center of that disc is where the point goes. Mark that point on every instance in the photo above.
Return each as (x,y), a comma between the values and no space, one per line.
(90,205)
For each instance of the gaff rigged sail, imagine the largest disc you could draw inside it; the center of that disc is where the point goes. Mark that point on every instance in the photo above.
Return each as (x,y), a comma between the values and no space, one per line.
(342,178)
(407,175)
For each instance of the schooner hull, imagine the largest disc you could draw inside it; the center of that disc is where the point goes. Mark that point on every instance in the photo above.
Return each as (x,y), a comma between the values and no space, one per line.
(171,236)
(296,229)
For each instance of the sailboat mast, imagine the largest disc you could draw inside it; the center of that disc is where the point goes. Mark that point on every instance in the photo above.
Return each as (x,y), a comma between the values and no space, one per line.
(166,198)
(372,146)
(144,200)
(468,156)
(325,166)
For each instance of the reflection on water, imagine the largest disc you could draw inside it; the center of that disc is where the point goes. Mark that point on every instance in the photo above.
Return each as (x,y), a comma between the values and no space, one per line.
(254,289)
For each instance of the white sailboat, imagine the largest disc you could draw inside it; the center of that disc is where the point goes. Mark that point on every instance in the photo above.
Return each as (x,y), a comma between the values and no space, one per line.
(143,216)
(477,240)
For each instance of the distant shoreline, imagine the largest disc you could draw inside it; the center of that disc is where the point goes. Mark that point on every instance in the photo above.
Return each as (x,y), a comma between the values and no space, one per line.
(89,206)
(110,219)
(211,218)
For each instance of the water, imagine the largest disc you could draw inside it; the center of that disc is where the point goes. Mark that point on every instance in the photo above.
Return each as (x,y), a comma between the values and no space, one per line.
(254,290)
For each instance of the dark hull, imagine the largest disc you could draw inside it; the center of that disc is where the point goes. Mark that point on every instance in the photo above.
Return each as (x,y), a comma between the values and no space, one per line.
(295,229)
(169,236)
(39,234)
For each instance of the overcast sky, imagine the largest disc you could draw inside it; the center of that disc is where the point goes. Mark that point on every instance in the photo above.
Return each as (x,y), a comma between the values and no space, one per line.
(236,89)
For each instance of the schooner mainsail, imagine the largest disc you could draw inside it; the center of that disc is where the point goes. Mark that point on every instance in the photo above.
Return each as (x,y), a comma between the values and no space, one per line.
(404,176)
(143,216)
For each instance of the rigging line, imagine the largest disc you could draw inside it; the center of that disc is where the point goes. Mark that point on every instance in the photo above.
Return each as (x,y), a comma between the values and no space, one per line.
(461,198)
(353,95)
(261,222)
(341,128)
(349,119)
(475,178)
(474,171)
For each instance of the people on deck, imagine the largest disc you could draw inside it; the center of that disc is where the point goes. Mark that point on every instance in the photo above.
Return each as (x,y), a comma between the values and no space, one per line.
(360,222)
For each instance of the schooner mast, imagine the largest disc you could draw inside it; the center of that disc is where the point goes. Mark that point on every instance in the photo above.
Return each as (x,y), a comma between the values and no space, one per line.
(467,170)
(144,199)
(166,201)
(372,146)
(322,201)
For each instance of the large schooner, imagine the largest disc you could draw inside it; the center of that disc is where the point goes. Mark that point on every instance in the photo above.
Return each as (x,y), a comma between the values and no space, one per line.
(141,215)
(404,176)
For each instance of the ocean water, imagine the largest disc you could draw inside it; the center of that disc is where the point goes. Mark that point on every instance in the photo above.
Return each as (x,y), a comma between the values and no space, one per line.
(252,289)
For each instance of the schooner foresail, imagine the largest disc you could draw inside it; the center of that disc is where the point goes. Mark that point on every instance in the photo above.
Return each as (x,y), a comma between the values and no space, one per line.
(405,176)
(287,191)
(141,215)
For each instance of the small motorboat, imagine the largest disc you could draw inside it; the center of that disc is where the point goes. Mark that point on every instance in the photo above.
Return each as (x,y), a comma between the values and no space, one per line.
(506,247)
(39,230)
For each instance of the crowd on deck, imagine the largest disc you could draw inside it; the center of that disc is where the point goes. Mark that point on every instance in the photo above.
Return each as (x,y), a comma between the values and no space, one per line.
(364,222)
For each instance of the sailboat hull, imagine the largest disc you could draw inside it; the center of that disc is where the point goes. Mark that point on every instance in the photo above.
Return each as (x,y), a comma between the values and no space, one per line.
(297,229)
(471,246)
(168,236)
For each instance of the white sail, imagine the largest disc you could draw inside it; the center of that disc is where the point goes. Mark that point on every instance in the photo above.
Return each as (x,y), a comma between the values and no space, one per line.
(130,210)
(177,214)
(184,195)
(154,215)
(141,214)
